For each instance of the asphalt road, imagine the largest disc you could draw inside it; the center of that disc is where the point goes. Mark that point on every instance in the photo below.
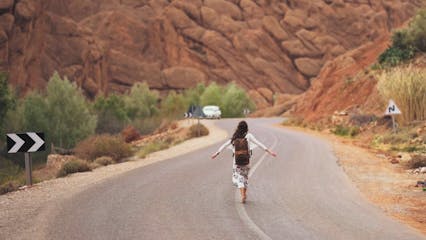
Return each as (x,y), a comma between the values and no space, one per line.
(301,194)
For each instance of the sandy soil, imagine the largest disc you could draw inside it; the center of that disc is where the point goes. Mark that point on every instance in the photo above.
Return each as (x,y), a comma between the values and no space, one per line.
(389,186)
(23,214)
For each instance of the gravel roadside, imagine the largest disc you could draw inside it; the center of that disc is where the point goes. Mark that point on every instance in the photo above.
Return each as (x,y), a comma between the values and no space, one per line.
(23,214)
(389,186)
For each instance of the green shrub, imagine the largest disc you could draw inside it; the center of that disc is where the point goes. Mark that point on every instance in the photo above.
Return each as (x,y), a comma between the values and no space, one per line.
(235,101)
(406,42)
(173,106)
(417,31)
(104,161)
(193,95)
(69,119)
(148,125)
(111,112)
(198,130)
(73,166)
(212,95)
(141,102)
(62,113)
(407,87)
(6,98)
(231,99)
(103,145)
(342,130)
(394,56)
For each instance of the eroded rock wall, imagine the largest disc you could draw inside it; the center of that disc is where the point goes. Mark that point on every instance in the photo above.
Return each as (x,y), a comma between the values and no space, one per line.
(108,45)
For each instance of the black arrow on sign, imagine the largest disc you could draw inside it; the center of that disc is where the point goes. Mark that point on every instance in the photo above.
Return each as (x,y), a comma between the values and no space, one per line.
(25,142)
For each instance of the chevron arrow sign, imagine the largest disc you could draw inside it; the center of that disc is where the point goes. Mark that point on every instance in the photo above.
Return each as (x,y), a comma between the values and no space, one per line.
(25,142)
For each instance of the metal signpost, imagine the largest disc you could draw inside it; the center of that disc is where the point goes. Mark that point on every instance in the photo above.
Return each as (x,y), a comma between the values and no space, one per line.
(27,143)
(392,110)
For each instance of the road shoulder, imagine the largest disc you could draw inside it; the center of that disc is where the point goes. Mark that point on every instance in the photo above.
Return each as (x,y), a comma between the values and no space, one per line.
(386,185)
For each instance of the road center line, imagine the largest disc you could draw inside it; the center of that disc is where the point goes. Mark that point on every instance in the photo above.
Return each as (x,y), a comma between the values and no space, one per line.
(242,210)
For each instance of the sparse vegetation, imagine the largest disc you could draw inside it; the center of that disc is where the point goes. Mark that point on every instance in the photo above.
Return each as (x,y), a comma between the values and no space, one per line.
(348,131)
(74,166)
(294,121)
(407,87)
(104,161)
(406,42)
(97,146)
(11,176)
(152,147)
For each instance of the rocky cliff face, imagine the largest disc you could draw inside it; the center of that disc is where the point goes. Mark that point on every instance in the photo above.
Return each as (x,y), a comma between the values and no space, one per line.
(265,46)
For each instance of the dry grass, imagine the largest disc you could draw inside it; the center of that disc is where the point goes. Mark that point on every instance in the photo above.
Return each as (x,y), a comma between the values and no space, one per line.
(74,166)
(152,147)
(407,87)
(198,131)
(103,145)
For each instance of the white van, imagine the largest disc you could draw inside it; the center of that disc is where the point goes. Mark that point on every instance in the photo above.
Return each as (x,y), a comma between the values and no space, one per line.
(212,111)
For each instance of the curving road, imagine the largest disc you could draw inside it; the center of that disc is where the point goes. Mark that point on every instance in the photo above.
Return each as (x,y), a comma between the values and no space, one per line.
(301,194)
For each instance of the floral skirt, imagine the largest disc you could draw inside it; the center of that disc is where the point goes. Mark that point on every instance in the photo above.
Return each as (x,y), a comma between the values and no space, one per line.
(240,176)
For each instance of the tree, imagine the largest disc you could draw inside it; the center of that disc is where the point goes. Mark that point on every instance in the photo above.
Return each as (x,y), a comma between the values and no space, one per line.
(141,102)
(173,106)
(212,95)
(6,98)
(67,111)
(111,112)
(234,101)
(193,95)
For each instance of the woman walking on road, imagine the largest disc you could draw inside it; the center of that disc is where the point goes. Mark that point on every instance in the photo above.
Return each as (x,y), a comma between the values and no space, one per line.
(242,143)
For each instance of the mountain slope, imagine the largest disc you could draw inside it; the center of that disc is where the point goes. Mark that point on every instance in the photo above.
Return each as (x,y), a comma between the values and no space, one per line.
(108,45)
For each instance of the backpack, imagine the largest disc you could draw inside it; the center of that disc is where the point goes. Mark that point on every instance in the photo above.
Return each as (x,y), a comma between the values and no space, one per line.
(242,154)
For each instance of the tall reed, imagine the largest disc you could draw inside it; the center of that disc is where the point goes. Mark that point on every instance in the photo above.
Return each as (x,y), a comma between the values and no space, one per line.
(407,87)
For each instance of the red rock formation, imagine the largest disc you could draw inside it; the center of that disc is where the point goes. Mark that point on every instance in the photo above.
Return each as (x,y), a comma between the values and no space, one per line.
(108,45)
(344,84)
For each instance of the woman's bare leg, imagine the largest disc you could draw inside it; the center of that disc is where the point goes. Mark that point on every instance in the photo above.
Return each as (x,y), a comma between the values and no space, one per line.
(243,194)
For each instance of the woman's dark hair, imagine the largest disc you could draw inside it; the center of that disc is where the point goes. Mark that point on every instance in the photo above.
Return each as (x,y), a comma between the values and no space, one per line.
(241,131)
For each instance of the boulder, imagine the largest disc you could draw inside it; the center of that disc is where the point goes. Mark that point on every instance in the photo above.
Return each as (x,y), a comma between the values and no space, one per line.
(6,4)
(6,22)
(224,7)
(308,66)
(272,25)
(25,9)
(183,77)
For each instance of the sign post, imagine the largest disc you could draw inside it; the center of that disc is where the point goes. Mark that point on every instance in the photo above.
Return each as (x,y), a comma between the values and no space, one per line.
(27,143)
(392,110)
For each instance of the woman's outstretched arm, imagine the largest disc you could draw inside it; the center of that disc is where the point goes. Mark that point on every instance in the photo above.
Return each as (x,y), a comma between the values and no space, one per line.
(258,143)
(227,143)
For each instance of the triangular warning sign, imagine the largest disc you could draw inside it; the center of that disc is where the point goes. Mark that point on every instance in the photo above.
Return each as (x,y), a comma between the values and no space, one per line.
(392,108)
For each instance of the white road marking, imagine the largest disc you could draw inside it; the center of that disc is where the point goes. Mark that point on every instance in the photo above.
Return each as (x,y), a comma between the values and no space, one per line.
(242,210)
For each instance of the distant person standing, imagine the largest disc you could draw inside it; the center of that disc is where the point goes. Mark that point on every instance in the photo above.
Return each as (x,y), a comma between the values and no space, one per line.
(242,144)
